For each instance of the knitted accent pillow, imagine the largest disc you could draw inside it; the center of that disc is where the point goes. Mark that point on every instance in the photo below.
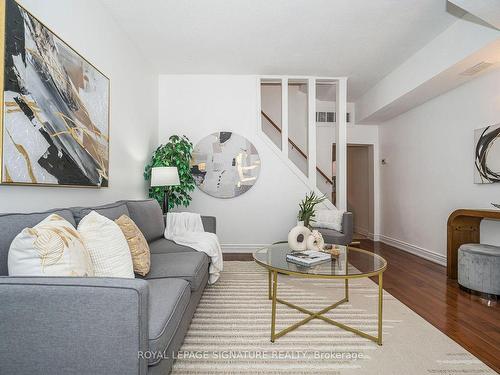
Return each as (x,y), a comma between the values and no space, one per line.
(107,246)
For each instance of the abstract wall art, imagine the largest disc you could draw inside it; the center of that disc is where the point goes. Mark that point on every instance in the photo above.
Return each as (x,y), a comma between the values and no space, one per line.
(54,127)
(225,165)
(487,155)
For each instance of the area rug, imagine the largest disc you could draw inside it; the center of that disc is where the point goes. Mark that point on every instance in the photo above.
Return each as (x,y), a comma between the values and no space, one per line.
(230,332)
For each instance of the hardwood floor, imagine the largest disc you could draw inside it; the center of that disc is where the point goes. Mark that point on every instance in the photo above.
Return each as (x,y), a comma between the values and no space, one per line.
(237,256)
(423,287)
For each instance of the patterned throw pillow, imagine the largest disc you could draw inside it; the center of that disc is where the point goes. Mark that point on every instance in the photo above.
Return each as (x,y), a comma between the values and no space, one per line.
(329,219)
(53,247)
(107,246)
(139,248)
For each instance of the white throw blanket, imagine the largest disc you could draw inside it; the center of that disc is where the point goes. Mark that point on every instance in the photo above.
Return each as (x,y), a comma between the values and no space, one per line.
(186,228)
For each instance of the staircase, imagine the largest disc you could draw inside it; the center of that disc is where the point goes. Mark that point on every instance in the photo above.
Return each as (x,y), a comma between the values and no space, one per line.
(297,160)
(288,123)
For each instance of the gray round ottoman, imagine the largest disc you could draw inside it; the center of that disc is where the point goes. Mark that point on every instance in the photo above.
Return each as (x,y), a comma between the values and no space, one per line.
(479,268)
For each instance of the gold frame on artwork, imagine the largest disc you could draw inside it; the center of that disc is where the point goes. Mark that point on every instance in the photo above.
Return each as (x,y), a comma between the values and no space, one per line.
(2,77)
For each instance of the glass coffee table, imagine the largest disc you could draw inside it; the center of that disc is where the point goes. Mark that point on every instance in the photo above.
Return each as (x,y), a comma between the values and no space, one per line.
(352,263)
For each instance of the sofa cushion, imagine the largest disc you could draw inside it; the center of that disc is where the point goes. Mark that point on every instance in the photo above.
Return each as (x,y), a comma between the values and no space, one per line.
(112,211)
(148,216)
(190,266)
(168,300)
(164,246)
(12,224)
(53,247)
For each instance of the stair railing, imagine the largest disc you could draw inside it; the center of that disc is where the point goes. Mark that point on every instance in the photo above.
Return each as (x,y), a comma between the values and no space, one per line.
(297,148)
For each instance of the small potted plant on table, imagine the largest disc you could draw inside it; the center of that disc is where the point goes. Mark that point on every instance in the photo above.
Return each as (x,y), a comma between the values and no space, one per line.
(307,208)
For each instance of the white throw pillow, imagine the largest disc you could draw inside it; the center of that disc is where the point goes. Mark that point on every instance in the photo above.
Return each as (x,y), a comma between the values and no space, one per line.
(107,245)
(329,219)
(53,247)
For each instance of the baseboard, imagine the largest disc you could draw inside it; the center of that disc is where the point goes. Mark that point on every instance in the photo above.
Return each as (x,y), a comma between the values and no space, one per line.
(409,248)
(413,249)
(362,231)
(241,248)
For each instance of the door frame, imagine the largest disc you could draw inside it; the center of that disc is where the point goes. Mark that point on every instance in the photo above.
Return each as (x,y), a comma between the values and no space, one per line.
(373,178)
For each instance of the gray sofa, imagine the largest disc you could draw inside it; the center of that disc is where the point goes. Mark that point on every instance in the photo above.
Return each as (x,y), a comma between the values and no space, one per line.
(339,238)
(62,325)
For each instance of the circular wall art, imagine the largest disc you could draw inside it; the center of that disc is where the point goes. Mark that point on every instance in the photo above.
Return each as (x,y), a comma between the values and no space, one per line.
(225,165)
(487,161)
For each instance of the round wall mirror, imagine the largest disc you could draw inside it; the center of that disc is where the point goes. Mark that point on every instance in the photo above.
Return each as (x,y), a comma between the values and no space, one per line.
(225,165)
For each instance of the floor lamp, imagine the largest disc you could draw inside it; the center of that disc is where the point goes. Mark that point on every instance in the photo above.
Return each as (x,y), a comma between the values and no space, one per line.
(165,176)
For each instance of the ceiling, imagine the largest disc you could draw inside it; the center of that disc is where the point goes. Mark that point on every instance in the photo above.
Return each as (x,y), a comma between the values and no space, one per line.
(361,39)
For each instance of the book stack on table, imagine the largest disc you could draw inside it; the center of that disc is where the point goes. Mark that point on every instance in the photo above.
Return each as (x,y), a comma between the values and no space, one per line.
(308,258)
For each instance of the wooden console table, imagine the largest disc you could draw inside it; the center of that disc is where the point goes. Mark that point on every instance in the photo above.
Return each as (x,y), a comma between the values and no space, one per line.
(463,227)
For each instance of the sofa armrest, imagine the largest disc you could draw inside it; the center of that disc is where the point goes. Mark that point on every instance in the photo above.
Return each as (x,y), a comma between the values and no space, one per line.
(348,226)
(64,325)
(209,223)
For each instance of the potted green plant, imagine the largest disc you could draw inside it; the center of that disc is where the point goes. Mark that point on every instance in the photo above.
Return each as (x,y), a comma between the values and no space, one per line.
(176,153)
(307,208)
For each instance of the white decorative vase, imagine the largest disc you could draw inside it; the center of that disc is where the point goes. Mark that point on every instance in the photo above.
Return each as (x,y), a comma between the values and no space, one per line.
(315,241)
(293,235)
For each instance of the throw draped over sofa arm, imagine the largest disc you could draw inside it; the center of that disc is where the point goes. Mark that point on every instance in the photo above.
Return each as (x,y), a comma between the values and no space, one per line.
(209,223)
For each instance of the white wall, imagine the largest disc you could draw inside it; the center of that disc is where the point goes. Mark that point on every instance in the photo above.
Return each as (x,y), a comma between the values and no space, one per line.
(429,174)
(198,105)
(297,120)
(298,113)
(87,27)
(270,96)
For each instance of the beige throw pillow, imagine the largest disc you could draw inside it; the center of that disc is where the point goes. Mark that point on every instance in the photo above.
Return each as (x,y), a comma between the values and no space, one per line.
(139,248)
(107,246)
(329,219)
(53,247)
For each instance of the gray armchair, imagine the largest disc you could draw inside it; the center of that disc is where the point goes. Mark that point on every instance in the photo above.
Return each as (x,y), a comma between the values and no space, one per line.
(340,238)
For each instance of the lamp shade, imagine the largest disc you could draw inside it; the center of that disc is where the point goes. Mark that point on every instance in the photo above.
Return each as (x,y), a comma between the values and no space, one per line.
(164,176)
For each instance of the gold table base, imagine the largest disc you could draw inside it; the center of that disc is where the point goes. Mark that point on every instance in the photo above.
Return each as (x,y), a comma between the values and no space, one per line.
(273,287)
